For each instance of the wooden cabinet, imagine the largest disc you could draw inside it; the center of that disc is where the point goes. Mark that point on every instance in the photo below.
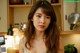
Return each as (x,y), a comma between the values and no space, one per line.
(12,14)
(3,16)
(68,8)
(18,13)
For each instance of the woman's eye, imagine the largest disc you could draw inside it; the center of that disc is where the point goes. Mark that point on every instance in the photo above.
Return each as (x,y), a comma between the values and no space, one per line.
(38,16)
(48,17)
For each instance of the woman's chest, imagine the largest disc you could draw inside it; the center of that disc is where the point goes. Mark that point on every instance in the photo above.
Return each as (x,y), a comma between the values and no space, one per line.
(38,47)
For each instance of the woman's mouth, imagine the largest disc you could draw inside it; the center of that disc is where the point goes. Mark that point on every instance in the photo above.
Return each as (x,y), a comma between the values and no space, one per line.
(41,26)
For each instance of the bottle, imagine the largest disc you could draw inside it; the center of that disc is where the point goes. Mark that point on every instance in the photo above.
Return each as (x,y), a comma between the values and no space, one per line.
(10,30)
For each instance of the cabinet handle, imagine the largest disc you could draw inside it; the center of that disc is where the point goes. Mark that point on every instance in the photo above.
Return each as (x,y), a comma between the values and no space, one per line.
(0,18)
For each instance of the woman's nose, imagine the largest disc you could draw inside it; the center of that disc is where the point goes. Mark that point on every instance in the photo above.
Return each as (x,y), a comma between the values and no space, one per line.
(42,20)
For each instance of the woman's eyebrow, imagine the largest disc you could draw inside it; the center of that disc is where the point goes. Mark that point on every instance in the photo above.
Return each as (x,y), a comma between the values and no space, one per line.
(38,13)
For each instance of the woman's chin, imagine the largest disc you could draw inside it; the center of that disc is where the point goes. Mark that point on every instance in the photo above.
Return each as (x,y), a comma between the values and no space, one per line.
(41,30)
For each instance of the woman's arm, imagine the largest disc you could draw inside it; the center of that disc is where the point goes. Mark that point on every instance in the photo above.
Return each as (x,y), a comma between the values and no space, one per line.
(61,47)
(21,46)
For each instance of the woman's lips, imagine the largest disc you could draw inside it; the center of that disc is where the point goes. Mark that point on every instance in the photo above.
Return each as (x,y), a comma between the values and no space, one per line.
(41,26)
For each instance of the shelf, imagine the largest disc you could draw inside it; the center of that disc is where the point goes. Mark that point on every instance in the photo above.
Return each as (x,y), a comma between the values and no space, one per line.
(70,32)
(2,33)
(56,4)
(20,5)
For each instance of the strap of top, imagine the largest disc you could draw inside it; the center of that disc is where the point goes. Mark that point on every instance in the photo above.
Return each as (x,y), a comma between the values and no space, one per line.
(25,50)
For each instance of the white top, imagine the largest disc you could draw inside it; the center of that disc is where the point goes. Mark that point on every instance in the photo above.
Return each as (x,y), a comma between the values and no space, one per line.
(25,51)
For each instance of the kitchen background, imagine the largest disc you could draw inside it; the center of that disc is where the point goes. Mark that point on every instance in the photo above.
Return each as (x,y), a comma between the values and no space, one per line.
(20,16)
(69,8)
(67,39)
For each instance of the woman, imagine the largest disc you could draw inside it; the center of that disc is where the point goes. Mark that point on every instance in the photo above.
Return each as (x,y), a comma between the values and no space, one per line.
(42,34)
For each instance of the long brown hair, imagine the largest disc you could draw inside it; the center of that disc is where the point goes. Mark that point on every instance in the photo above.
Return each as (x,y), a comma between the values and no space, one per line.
(52,32)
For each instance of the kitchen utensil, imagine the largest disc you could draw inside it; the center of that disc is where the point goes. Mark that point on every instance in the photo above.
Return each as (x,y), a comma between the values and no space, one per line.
(73,18)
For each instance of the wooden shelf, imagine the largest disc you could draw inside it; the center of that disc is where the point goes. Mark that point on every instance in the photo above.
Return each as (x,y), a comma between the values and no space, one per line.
(70,32)
(56,4)
(20,5)
(2,33)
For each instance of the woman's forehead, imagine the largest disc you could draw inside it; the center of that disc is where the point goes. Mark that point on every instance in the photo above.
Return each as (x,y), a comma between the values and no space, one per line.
(39,10)
(42,10)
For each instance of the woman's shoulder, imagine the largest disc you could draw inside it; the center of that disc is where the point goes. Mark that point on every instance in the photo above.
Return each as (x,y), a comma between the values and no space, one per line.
(23,40)
(22,45)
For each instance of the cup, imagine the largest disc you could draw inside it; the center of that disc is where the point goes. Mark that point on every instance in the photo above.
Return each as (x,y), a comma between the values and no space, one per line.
(12,50)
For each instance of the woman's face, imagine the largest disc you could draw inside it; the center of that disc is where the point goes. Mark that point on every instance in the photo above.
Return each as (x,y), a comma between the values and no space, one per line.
(40,20)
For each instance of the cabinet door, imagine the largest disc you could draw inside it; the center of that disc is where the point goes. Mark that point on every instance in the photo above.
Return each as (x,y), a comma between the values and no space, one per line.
(3,15)
(70,9)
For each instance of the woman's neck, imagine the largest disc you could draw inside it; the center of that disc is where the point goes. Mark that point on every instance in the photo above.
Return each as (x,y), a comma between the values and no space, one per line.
(39,35)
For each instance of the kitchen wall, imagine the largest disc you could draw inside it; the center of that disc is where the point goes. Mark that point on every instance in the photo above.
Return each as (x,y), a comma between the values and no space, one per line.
(3,15)
(20,14)
(72,39)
